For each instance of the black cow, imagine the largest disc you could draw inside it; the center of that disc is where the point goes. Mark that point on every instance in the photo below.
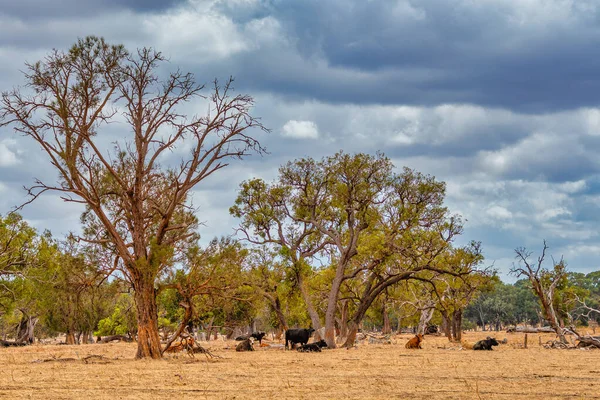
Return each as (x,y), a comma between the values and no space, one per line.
(256,335)
(309,347)
(316,346)
(431,330)
(294,336)
(485,344)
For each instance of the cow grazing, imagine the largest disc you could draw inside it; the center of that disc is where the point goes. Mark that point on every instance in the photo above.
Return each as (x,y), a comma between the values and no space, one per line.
(294,336)
(415,343)
(485,344)
(245,345)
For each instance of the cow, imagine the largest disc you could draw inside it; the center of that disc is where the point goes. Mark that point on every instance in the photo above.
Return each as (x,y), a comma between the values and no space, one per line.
(256,335)
(294,336)
(485,344)
(245,345)
(309,347)
(431,330)
(316,346)
(415,343)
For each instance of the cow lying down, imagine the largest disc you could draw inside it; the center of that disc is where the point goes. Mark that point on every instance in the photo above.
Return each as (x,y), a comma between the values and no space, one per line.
(485,344)
(246,345)
(316,346)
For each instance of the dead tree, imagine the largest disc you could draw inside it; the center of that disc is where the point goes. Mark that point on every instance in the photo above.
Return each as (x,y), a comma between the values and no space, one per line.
(25,329)
(544,283)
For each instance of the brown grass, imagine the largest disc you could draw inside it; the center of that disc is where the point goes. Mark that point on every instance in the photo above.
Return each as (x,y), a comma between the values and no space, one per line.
(441,370)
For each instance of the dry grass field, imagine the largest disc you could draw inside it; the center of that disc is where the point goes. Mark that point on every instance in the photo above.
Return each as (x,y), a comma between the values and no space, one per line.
(441,370)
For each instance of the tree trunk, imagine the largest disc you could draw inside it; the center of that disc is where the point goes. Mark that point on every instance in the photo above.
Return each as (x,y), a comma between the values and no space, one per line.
(386,321)
(148,338)
(70,339)
(481,319)
(446,325)
(457,325)
(356,320)
(312,312)
(25,329)
(344,319)
(352,331)
(276,306)
(280,316)
(426,315)
(209,328)
(331,309)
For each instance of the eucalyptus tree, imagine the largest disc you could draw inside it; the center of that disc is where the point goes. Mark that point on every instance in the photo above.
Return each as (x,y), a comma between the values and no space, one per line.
(269,217)
(410,237)
(453,292)
(375,227)
(21,254)
(137,197)
(268,276)
(213,271)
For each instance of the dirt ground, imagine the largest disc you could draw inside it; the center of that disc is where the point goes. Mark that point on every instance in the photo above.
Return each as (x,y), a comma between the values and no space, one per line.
(441,370)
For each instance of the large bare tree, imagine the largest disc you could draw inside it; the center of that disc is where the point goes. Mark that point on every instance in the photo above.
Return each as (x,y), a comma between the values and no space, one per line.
(137,197)
(544,283)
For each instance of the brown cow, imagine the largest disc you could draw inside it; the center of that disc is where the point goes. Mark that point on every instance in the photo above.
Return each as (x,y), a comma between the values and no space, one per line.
(415,343)
(246,345)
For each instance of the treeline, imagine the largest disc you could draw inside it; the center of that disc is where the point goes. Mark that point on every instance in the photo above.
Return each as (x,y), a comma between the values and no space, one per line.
(65,288)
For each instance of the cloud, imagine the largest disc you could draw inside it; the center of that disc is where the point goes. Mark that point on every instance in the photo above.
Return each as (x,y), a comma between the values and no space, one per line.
(300,130)
(36,9)
(8,157)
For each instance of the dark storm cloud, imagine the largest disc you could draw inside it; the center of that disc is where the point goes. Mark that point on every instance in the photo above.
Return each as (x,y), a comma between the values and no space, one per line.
(36,9)
(517,55)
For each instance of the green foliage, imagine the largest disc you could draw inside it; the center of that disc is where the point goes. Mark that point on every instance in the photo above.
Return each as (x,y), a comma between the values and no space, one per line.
(122,321)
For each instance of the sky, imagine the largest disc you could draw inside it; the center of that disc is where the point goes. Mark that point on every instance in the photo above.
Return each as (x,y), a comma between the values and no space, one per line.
(498,98)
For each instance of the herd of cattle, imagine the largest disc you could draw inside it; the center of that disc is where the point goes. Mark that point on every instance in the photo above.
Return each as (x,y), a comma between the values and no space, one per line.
(301,337)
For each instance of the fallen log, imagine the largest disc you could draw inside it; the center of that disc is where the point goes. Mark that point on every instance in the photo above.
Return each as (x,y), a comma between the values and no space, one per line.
(6,343)
(529,329)
(120,338)
(588,341)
